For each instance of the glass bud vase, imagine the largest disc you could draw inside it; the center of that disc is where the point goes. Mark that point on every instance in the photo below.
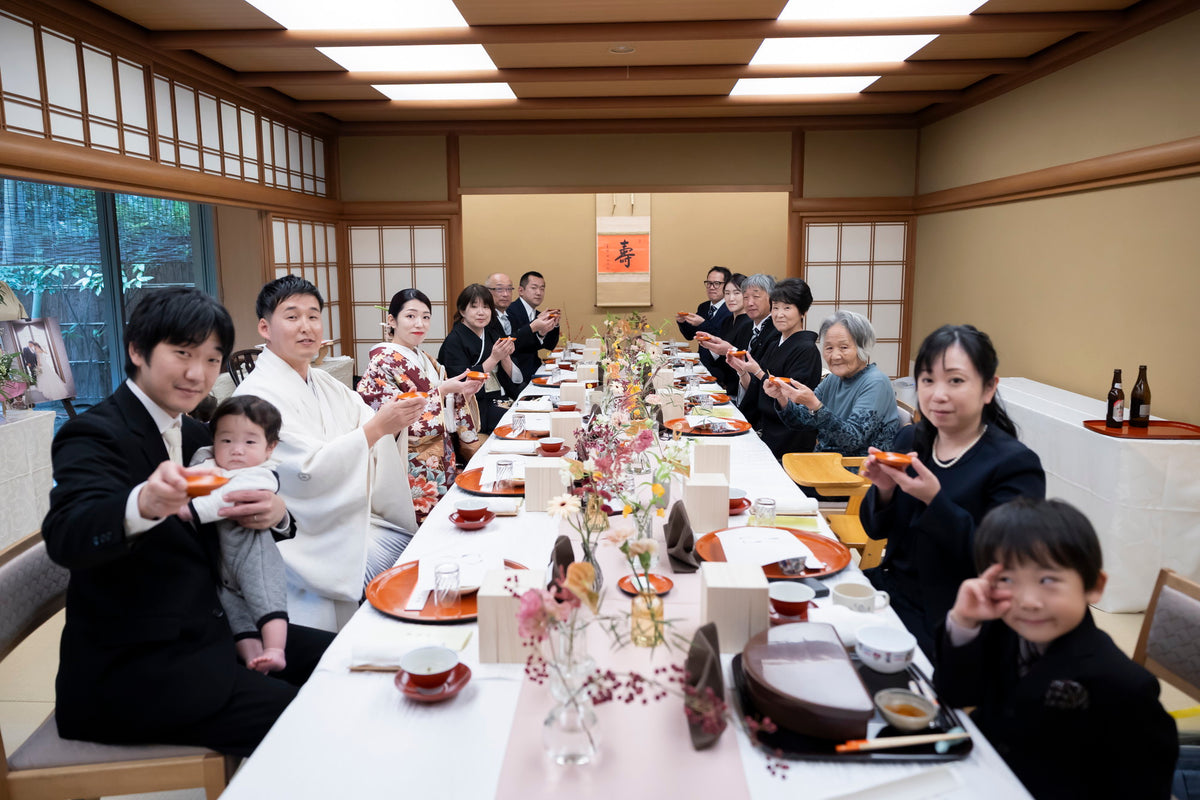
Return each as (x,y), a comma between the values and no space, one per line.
(646,618)
(569,734)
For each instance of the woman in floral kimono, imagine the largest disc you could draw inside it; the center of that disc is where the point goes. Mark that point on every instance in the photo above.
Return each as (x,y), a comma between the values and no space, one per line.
(401,366)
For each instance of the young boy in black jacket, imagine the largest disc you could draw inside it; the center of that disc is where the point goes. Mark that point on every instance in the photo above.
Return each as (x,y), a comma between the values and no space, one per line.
(1068,711)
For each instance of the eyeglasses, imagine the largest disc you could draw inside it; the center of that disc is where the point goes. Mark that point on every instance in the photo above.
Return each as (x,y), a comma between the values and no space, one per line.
(714,284)
(501,289)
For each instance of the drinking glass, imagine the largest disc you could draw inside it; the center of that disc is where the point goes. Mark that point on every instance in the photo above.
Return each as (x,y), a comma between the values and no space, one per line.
(445,589)
(518,424)
(762,515)
(504,475)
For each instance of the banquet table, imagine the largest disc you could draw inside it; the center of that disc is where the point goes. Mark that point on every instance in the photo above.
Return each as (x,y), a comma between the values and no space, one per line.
(352,734)
(1142,496)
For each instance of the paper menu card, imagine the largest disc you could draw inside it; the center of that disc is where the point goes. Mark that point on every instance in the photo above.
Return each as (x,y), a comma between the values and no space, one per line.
(763,546)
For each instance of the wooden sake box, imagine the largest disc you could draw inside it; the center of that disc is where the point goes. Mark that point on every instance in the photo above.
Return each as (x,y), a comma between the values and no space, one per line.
(734,596)
(672,405)
(564,424)
(664,378)
(587,373)
(543,482)
(573,392)
(706,498)
(711,456)
(499,640)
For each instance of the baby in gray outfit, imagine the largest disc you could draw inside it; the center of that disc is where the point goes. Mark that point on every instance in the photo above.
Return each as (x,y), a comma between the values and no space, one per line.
(253,587)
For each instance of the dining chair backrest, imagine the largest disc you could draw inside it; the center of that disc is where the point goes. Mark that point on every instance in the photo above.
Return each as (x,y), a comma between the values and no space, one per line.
(241,364)
(47,767)
(1169,642)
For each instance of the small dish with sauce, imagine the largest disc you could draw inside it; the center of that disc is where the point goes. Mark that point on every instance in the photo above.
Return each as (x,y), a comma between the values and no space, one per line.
(905,710)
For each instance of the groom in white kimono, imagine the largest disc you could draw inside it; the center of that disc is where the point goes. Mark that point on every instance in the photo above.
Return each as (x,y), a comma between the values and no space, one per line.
(342,467)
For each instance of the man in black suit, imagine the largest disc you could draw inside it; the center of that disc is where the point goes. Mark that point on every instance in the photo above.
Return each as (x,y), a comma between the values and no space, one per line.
(30,359)
(147,655)
(524,315)
(710,315)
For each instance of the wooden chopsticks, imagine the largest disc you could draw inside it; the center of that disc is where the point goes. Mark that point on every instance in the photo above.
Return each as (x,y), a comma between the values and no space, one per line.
(889,742)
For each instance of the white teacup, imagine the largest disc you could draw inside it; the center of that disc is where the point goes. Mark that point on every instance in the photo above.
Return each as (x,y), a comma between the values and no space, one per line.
(859,597)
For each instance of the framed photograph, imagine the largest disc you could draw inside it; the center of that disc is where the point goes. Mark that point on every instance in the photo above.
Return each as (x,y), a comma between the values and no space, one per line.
(43,355)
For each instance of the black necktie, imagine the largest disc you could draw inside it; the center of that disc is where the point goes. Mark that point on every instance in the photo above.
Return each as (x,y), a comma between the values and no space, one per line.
(753,338)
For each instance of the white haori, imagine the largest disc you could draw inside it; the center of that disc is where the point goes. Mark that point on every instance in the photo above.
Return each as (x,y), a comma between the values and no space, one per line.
(332,483)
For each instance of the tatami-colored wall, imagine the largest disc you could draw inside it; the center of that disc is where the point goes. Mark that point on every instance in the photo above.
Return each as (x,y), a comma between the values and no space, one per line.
(556,235)
(1073,286)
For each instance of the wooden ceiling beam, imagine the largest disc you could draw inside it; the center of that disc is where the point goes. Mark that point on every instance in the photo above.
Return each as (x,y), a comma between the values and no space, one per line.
(486,127)
(644,31)
(850,101)
(992,66)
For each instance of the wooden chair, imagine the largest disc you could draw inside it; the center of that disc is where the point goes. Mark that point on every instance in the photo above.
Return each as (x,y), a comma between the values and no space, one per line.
(241,364)
(1169,642)
(48,767)
(826,474)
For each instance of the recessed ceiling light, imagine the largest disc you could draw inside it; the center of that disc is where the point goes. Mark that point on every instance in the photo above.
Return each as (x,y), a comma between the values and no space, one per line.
(622,49)
(849,84)
(362,14)
(839,49)
(866,9)
(447,91)
(411,58)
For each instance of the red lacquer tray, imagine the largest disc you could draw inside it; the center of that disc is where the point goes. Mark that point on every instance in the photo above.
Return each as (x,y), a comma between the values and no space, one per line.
(1159,429)
(469,482)
(680,425)
(835,555)
(530,435)
(389,592)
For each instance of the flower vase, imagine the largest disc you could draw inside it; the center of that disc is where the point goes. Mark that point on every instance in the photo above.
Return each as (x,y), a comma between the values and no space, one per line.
(569,734)
(646,618)
(589,555)
(572,664)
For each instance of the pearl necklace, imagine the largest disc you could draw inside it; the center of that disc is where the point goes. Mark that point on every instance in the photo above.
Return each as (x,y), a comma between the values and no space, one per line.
(951,462)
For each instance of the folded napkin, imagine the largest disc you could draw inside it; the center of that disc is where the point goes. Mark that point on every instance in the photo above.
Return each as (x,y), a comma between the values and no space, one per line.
(703,672)
(504,507)
(681,542)
(800,507)
(763,546)
(517,447)
(382,653)
(561,557)
(538,424)
(541,404)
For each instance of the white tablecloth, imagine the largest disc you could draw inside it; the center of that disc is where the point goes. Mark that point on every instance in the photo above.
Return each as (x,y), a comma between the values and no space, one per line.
(1143,497)
(354,735)
(25,473)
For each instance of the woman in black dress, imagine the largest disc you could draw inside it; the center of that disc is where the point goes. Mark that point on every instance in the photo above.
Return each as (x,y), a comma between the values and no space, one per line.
(792,356)
(477,342)
(966,461)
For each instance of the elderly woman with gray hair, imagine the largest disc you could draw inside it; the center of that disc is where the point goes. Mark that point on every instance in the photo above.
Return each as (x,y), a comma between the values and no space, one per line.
(854,407)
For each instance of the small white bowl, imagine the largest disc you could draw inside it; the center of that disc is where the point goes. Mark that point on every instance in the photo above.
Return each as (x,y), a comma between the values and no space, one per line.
(905,710)
(429,667)
(885,649)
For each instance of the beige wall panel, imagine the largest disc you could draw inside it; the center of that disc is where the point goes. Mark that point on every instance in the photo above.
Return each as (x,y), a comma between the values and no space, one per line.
(1072,287)
(240,268)
(859,163)
(556,235)
(588,161)
(1139,93)
(392,168)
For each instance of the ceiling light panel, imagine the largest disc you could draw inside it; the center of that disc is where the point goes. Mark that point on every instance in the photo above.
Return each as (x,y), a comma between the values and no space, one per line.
(867,9)
(300,15)
(446,91)
(851,84)
(411,58)
(839,49)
